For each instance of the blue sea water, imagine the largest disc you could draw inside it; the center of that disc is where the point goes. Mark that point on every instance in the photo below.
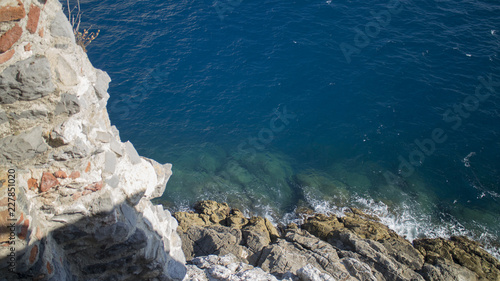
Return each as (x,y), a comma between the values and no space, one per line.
(272,106)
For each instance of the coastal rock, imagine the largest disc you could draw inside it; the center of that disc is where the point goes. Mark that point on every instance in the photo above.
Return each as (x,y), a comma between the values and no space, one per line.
(462,251)
(216,212)
(445,270)
(352,247)
(212,240)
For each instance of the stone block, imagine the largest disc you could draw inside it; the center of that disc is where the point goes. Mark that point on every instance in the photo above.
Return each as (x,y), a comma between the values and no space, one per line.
(26,80)
(3,117)
(115,146)
(65,73)
(61,27)
(109,162)
(103,137)
(31,114)
(68,104)
(24,146)
(102,84)
(132,153)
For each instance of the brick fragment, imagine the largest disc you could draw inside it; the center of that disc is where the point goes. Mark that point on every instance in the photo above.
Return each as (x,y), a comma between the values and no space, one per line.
(9,38)
(48,181)
(60,174)
(9,13)
(33,17)
(7,55)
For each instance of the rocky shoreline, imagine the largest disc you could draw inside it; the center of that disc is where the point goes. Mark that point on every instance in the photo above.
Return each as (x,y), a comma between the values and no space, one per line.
(221,243)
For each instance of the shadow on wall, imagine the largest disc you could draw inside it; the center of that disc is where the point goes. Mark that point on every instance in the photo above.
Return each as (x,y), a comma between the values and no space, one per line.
(114,243)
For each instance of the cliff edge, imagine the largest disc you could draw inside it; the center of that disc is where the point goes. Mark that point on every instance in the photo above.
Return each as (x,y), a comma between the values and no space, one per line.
(74,199)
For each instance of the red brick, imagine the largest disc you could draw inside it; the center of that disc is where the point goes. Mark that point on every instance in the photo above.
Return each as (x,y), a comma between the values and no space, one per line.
(9,38)
(24,230)
(33,16)
(49,268)
(9,13)
(33,254)
(7,55)
(74,175)
(60,174)
(27,47)
(32,184)
(48,181)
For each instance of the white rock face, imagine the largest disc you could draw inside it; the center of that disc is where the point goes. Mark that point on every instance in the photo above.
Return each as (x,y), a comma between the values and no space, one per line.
(83,209)
(228,267)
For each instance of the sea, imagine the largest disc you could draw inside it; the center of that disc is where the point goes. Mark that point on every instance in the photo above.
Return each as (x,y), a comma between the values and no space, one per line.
(281,107)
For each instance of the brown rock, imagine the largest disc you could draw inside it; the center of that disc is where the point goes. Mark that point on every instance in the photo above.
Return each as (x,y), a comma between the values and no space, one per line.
(24,230)
(74,175)
(27,47)
(48,181)
(236,219)
(256,234)
(367,229)
(16,12)
(462,251)
(88,168)
(33,17)
(322,226)
(7,55)
(41,32)
(9,38)
(217,212)
(60,174)
(32,184)
(186,220)
(33,254)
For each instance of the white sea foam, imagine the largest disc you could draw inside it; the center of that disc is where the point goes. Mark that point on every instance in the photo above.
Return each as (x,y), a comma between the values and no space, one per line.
(408,220)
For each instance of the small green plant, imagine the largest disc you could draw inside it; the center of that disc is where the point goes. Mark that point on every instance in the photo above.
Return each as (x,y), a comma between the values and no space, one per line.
(83,39)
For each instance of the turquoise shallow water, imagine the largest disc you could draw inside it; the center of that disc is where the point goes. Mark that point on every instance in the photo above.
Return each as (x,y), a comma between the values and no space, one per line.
(391,106)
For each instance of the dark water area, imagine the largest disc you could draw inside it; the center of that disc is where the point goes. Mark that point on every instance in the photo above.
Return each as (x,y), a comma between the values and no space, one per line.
(390,106)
